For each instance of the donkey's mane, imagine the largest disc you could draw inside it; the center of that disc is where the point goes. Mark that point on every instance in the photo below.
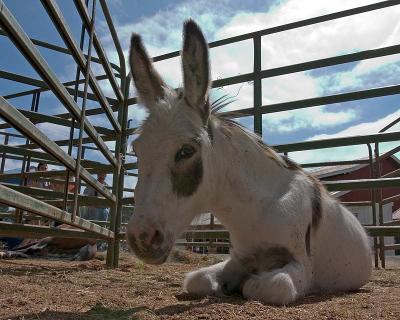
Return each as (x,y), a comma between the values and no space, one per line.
(228,122)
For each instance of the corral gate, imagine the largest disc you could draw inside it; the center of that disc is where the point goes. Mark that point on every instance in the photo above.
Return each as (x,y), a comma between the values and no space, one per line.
(21,124)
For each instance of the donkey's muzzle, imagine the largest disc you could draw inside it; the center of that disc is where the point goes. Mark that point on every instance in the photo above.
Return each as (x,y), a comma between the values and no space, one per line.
(150,245)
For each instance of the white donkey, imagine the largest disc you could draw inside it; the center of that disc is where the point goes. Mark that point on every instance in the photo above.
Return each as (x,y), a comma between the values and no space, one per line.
(289,236)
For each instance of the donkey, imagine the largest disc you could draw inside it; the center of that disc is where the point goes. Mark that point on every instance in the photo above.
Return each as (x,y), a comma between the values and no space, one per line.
(289,237)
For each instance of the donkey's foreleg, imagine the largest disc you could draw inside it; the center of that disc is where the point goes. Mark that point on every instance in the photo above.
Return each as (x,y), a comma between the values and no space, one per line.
(280,286)
(223,278)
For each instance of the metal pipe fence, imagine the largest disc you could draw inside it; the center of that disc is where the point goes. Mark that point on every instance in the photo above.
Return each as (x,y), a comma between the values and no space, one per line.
(49,203)
(55,205)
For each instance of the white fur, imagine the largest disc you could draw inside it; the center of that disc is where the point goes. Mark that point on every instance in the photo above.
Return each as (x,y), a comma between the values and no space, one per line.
(261,202)
(265,204)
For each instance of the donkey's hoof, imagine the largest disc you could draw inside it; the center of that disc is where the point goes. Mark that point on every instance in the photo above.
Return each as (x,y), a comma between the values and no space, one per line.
(277,289)
(200,283)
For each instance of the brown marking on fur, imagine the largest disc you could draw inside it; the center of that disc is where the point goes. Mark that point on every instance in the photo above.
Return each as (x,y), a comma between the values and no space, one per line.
(316,201)
(264,260)
(308,240)
(228,124)
(186,182)
(210,131)
(290,164)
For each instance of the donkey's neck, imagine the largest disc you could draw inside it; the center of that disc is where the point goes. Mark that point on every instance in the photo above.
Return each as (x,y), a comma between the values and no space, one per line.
(247,177)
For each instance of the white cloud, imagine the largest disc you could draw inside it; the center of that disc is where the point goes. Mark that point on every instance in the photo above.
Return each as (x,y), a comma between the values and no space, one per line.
(129,182)
(296,86)
(349,152)
(316,118)
(161,33)
(362,128)
(53,131)
(364,31)
(374,29)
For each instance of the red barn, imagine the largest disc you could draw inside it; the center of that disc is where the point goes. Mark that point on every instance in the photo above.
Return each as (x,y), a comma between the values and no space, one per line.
(389,165)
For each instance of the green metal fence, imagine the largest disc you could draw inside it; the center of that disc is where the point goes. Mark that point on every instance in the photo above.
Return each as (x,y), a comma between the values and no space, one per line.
(54,204)
(48,203)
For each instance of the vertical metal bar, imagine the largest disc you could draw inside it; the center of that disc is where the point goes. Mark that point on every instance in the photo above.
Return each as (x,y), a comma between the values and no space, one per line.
(118,175)
(115,39)
(72,129)
(257,88)
(35,109)
(82,118)
(373,200)
(82,157)
(120,148)
(24,167)
(380,206)
(3,159)
(212,243)
(125,82)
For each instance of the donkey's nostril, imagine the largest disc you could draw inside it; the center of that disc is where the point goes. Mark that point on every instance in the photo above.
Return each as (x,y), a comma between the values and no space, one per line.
(158,238)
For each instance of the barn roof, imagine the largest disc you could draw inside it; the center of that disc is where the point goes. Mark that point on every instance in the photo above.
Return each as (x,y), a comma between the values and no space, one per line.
(325,172)
(396,215)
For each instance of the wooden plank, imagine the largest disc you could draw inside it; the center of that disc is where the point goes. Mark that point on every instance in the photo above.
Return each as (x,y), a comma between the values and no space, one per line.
(201,244)
(31,231)
(66,142)
(90,165)
(207,234)
(357,203)
(338,142)
(375,231)
(361,184)
(395,246)
(50,194)
(22,124)
(19,200)
(392,223)
(40,118)
(32,174)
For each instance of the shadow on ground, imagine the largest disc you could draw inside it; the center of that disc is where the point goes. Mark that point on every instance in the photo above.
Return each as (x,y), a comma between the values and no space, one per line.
(98,312)
(16,268)
(187,303)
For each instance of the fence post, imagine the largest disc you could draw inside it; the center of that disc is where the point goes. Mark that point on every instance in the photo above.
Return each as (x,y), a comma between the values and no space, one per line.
(257,88)
(373,201)
(380,206)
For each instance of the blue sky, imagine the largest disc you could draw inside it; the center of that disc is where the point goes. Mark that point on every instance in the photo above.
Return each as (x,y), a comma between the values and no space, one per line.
(160,24)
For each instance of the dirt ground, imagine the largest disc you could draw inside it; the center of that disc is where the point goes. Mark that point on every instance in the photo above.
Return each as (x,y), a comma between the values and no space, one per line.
(38,289)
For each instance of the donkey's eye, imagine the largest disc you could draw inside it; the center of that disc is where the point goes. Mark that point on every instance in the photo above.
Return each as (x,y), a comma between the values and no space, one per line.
(185,152)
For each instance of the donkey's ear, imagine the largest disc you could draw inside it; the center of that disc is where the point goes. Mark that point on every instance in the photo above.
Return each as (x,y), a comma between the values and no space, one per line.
(195,65)
(148,82)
